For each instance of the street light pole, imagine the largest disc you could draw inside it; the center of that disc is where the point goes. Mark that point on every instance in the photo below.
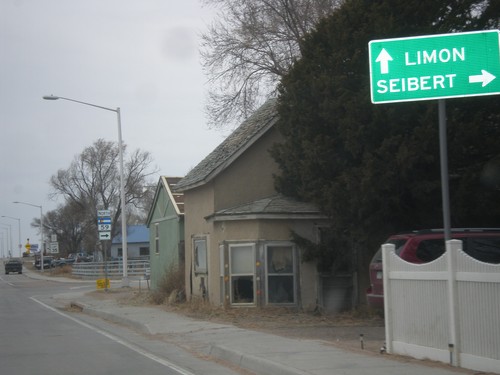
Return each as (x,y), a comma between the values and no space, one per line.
(9,239)
(18,232)
(1,244)
(125,281)
(41,230)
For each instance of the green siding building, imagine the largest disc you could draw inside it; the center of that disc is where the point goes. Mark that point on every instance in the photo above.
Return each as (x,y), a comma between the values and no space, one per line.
(166,231)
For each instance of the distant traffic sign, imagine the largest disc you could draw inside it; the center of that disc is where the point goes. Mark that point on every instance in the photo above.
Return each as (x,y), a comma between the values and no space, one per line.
(103,220)
(54,247)
(104,236)
(104,227)
(104,224)
(102,283)
(435,66)
(103,213)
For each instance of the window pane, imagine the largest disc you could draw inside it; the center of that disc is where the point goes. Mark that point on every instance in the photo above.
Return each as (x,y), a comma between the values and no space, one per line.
(280,289)
(280,259)
(485,249)
(200,255)
(429,250)
(157,238)
(242,259)
(242,289)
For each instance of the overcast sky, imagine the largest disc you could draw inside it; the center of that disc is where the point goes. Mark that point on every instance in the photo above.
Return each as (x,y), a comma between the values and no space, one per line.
(139,55)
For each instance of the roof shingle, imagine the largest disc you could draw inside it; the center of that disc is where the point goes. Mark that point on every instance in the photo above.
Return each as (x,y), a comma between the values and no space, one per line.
(276,206)
(237,142)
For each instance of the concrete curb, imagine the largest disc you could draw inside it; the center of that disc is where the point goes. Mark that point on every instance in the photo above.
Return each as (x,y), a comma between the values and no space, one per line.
(111,317)
(251,362)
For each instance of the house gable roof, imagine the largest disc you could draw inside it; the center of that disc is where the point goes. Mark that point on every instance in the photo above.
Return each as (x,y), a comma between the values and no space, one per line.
(273,207)
(232,147)
(177,198)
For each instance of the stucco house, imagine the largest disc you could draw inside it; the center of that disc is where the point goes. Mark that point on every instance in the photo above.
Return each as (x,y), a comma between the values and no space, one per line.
(238,229)
(166,230)
(137,243)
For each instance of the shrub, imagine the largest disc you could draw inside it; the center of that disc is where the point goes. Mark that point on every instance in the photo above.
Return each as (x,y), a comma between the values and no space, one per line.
(171,284)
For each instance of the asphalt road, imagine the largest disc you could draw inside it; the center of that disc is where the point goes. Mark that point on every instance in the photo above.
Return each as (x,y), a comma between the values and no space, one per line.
(39,337)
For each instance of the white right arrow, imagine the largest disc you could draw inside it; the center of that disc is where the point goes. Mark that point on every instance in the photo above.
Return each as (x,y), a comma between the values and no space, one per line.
(383,58)
(484,78)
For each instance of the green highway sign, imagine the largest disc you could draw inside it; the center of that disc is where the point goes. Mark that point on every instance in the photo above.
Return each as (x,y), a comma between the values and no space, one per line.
(435,66)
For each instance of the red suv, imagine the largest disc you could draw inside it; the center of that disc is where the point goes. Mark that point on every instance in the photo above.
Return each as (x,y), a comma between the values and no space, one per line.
(426,245)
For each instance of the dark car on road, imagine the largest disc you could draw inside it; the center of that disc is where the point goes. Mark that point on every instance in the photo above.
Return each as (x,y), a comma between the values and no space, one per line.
(13,265)
(47,262)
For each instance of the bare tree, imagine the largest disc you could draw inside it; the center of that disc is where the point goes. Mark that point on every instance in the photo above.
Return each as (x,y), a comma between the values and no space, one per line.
(75,231)
(249,47)
(92,181)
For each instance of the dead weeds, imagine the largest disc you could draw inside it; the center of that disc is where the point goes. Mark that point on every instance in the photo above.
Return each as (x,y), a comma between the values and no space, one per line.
(244,316)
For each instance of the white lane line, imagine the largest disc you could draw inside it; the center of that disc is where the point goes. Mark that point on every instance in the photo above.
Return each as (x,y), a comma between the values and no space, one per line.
(135,348)
(81,287)
(6,282)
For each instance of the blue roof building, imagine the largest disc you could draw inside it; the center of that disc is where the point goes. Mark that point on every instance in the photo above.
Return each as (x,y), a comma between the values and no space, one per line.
(137,242)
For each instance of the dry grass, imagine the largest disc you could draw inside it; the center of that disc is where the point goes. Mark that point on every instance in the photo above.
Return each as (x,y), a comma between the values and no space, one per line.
(255,317)
(170,287)
(65,271)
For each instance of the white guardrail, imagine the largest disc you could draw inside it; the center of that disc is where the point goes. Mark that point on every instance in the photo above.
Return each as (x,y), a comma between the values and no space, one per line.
(113,269)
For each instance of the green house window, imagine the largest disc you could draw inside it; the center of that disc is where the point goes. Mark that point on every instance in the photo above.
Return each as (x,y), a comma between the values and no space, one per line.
(157,238)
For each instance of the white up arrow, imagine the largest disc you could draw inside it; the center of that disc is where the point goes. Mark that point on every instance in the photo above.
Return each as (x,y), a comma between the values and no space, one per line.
(384,58)
(484,78)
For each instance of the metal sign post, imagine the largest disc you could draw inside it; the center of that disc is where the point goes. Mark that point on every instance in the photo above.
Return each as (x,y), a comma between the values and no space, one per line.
(443,152)
(104,229)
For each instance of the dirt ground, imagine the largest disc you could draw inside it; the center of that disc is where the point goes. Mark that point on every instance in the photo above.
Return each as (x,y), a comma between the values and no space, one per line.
(355,330)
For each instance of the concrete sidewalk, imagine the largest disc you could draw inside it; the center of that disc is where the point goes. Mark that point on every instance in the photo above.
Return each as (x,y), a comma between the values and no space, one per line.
(261,353)
(258,352)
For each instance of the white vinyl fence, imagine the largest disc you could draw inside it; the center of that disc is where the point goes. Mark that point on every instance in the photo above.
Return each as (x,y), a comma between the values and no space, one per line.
(447,310)
(112,269)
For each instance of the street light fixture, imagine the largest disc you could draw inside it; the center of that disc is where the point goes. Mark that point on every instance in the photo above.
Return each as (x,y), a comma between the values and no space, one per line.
(125,282)
(19,230)
(41,229)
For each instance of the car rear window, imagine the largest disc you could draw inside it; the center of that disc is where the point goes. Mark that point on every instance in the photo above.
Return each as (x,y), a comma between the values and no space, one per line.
(429,250)
(485,249)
